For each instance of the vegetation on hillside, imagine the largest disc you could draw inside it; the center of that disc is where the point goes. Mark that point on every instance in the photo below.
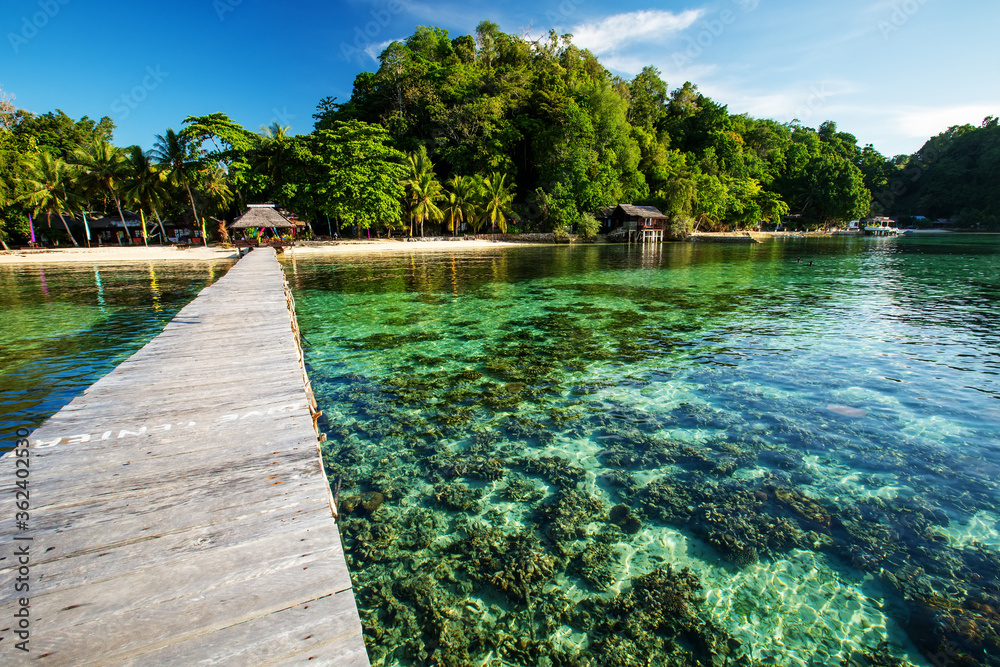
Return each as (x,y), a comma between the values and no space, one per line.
(491,131)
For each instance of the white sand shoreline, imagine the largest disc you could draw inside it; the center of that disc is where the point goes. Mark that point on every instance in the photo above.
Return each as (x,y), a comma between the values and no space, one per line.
(111,254)
(214,253)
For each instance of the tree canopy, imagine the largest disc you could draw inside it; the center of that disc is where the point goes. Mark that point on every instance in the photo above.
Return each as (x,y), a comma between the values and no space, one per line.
(494,130)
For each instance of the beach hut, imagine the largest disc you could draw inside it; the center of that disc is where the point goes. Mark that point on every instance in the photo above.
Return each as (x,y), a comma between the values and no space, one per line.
(640,223)
(262,217)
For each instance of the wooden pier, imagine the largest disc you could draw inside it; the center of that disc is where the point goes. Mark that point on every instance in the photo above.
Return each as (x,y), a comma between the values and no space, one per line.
(179,513)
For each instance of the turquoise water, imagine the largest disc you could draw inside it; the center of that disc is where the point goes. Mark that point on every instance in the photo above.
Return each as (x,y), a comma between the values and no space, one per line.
(690,454)
(65,326)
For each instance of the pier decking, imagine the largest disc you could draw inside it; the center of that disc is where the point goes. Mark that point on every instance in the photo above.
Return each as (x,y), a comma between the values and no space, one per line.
(179,514)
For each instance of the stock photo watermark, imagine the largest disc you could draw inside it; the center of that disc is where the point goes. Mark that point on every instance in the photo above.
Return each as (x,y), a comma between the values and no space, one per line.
(223,7)
(817,98)
(910,174)
(21,561)
(901,14)
(566,9)
(33,24)
(712,28)
(282,117)
(125,103)
(365,36)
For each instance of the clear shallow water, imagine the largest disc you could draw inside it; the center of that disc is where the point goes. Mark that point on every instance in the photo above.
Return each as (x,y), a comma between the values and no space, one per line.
(696,454)
(63,327)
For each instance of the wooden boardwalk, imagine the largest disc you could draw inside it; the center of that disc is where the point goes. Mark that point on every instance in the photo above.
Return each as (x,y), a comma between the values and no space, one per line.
(179,514)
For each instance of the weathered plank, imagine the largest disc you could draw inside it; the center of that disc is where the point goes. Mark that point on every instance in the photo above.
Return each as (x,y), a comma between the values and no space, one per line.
(179,510)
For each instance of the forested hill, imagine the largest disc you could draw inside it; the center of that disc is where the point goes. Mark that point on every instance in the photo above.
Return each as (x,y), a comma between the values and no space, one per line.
(482,130)
(954,175)
(575,137)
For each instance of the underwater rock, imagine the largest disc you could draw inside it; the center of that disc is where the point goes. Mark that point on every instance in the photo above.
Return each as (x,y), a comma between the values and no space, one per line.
(877,657)
(520,489)
(367,503)
(621,516)
(514,563)
(661,615)
(566,518)
(458,496)
(554,469)
(595,565)
(804,506)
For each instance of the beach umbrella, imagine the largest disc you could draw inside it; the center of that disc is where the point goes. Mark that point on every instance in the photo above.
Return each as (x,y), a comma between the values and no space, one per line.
(31,228)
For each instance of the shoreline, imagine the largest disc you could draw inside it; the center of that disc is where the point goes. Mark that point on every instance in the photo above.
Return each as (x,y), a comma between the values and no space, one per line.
(213,253)
(115,254)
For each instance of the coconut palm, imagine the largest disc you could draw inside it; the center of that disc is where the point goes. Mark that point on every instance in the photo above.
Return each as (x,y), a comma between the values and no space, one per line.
(425,192)
(103,172)
(215,196)
(275,154)
(461,202)
(143,187)
(419,176)
(180,159)
(497,198)
(46,189)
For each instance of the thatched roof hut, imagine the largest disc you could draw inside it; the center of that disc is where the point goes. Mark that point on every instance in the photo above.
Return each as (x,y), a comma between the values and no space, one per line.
(262,216)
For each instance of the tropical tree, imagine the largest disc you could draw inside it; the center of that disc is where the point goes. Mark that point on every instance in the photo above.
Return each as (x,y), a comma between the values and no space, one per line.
(46,189)
(498,196)
(215,197)
(461,200)
(143,187)
(180,159)
(275,156)
(234,149)
(424,195)
(418,183)
(103,172)
(353,174)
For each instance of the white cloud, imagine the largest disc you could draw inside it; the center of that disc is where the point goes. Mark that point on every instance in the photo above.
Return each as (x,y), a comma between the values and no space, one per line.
(613,33)
(927,122)
(375,50)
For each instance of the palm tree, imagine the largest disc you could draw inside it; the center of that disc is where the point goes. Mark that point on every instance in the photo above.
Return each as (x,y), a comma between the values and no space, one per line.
(274,155)
(461,202)
(103,172)
(46,191)
(425,192)
(215,197)
(180,160)
(419,174)
(143,187)
(497,198)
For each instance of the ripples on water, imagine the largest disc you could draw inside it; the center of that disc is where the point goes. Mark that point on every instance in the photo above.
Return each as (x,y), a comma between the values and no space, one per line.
(688,454)
(65,326)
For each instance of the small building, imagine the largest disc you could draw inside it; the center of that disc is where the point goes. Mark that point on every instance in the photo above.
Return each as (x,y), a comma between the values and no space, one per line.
(109,230)
(635,223)
(264,217)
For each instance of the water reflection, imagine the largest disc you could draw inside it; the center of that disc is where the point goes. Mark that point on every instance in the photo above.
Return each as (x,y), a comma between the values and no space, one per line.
(66,326)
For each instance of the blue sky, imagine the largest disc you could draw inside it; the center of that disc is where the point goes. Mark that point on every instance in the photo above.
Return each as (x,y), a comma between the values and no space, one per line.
(892,72)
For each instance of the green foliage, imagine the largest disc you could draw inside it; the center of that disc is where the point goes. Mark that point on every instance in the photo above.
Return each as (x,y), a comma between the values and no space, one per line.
(954,175)
(493,115)
(587,226)
(60,135)
(357,175)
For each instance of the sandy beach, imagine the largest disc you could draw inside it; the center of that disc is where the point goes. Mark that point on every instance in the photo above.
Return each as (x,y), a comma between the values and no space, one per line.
(214,253)
(116,254)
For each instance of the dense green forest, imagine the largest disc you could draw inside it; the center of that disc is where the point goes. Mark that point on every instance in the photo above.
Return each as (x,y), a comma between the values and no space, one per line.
(492,130)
